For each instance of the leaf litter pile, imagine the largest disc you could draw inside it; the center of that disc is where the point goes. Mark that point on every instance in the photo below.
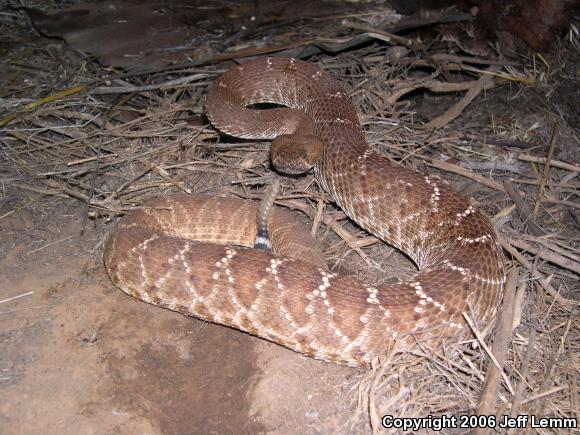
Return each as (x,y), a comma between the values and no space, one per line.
(502,131)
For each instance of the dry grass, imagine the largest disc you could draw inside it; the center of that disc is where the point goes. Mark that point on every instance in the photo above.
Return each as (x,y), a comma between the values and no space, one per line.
(113,144)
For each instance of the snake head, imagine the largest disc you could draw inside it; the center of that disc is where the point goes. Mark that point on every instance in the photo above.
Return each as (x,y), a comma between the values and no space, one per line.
(295,153)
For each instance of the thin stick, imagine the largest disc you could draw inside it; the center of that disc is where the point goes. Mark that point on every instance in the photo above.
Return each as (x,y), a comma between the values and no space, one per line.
(548,183)
(523,210)
(546,169)
(555,163)
(37,103)
(487,399)
(552,257)
(516,401)
(170,84)
(484,81)
(566,203)
(483,344)
(431,85)
(535,274)
(318,217)
(440,164)
(50,244)
(544,394)
(341,232)
(16,297)
(551,366)
(49,192)
(164,174)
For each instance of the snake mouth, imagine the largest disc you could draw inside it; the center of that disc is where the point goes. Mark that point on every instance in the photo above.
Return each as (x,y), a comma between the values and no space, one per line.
(298,167)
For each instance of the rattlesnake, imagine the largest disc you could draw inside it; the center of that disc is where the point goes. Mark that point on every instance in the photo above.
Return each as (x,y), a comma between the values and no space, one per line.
(302,306)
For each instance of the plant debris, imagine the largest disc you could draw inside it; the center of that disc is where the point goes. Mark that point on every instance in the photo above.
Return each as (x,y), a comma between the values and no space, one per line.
(495,129)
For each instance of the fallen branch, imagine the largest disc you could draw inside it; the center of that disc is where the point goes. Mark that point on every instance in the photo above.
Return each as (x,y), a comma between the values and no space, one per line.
(555,163)
(516,400)
(535,274)
(552,257)
(523,211)
(546,170)
(449,167)
(484,81)
(433,86)
(488,397)
(170,84)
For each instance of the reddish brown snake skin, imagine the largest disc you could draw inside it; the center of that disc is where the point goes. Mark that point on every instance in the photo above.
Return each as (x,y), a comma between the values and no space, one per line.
(303,307)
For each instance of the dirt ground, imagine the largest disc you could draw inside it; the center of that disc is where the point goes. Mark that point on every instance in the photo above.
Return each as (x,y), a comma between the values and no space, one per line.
(79,356)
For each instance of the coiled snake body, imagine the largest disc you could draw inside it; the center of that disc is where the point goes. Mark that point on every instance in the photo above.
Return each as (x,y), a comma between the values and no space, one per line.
(302,306)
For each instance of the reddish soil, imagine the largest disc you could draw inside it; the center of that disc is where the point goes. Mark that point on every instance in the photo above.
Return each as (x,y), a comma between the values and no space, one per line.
(79,356)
